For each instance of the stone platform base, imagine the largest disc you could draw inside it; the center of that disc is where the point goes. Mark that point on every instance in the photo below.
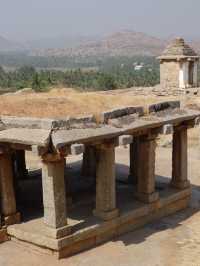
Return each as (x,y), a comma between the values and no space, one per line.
(90,233)
(3,235)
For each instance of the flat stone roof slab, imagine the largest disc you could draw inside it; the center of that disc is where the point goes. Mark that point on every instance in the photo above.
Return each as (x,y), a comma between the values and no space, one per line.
(61,138)
(39,137)
(174,116)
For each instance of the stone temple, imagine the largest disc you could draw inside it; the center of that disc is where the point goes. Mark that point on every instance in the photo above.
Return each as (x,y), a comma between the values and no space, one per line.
(179,66)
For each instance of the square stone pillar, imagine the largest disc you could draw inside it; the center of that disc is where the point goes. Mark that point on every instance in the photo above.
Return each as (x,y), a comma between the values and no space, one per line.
(7,193)
(134,150)
(89,162)
(54,196)
(105,182)
(180,159)
(20,164)
(146,170)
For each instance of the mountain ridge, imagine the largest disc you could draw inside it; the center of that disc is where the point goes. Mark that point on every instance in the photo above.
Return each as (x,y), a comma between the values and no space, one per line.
(122,43)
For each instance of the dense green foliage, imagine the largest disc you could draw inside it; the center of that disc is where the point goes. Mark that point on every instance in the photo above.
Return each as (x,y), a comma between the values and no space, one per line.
(85,73)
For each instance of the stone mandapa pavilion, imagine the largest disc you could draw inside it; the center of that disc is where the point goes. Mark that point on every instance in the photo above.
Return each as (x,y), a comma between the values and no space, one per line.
(179,66)
(71,221)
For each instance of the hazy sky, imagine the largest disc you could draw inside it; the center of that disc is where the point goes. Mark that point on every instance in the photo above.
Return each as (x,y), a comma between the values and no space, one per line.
(33,19)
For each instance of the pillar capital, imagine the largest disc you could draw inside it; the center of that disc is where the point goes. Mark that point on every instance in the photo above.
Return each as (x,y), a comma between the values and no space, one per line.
(52,158)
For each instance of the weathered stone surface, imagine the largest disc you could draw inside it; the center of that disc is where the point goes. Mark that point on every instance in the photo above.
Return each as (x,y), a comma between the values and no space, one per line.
(164,105)
(27,122)
(169,74)
(12,219)
(82,121)
(62,137)
(105,184)
(133,170)
(115,113)
(101,231)
(7,195)
(174,116)
(146,170)
(89,162)
(123,120)
(3,235)
(25,136)
(167,129)
(180,159)
(77,149)
(54,199)
(125,140)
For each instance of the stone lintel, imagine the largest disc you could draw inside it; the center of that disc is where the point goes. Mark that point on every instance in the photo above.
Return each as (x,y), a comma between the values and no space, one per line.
(191,123)
(17,146)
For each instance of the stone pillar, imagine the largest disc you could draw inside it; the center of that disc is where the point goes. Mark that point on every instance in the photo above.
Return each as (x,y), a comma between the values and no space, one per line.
(89,162)
(105,183)
(146,170)
(54,196)
(179,159)
(134,149)
(20,164)
(8,201)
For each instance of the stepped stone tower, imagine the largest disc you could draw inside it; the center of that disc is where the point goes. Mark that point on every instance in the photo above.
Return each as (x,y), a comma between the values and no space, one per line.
(179,66)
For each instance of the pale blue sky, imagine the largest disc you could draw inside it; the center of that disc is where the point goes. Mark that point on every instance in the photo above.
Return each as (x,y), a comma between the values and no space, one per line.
(33,19)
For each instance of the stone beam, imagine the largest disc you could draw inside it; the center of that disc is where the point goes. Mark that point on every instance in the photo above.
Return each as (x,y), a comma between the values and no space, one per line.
(146,169)
(105,182)
(180,159)
(164,105)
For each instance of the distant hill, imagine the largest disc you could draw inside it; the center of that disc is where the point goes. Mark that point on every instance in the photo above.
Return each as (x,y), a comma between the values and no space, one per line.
(125,43)
(7,45)
(60,42)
